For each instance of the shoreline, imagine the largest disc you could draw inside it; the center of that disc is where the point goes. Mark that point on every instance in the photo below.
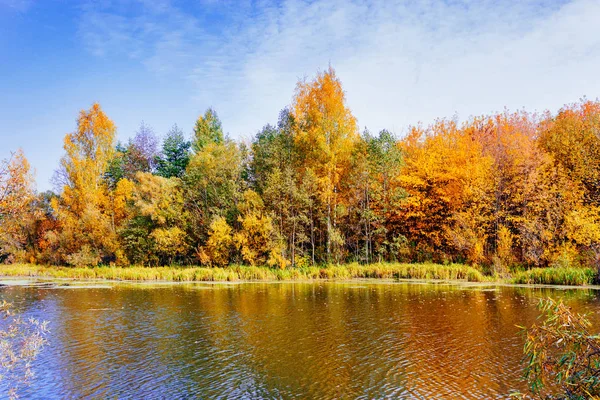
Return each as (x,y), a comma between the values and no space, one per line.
(45,282)
(379,273)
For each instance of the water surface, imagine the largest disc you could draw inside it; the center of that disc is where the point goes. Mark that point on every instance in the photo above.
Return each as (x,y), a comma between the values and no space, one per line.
(283,340)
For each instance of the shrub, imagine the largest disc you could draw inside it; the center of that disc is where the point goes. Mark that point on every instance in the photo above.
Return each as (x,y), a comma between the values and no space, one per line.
(20,342)
(562,351)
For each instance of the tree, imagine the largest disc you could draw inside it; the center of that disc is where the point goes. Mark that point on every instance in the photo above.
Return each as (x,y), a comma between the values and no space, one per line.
(143,150)
(375,194)
(550,197)
(274,175)
(256,238)
(174,156)
(212,187)
(325,134)
(385,160)
(169,244)
(273,148)
(572,138)
(533,193)
(500,191)
(16,196)
(265,150)
(87,227)
(41,224)
(155,229)
(140,155)
(218,248)
(448,182)
(207,130)
(519,168)
(16,185)
(562,351)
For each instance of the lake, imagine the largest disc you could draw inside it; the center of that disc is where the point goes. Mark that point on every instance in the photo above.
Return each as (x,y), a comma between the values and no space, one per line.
(283,340)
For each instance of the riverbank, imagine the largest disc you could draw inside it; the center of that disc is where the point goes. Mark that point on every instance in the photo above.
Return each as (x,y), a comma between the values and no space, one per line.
(247,273)
(426,271)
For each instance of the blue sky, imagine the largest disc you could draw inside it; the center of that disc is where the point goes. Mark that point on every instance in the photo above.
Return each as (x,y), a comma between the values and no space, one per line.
(166,61)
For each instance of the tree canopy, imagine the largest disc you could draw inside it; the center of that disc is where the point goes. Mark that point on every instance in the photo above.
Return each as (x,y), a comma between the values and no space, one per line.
(497,191)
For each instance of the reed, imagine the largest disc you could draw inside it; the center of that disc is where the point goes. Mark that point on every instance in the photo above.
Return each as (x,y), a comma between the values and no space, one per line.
(251,273)
(556,276)
(392,271)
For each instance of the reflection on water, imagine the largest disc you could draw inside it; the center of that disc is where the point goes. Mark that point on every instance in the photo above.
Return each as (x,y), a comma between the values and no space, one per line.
(288,340)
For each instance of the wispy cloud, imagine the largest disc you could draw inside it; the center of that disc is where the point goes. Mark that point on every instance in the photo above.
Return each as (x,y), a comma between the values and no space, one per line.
(16,5)
(400,62)
(153,32)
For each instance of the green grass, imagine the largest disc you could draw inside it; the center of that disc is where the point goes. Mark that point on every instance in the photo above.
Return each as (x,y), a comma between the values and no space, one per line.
(555,276)
(246,273)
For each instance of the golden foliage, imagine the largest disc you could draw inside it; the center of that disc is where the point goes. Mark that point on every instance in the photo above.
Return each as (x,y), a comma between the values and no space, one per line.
(85,210)
(449,181)
(495,191)
(16,196)
(16,185)
(218,247)
(326,133)
(256,239)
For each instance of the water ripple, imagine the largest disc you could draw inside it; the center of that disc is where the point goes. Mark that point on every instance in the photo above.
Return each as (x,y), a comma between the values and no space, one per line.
(284,341)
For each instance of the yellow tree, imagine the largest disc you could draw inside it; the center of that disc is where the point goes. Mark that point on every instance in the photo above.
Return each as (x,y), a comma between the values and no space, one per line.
(217,251)
(256,238)
(326,132)
(85,208)
(535,194)
(16,185)
(16,195)
(508,139)
(530,194)
(154,230)
(448,182)
(572,138)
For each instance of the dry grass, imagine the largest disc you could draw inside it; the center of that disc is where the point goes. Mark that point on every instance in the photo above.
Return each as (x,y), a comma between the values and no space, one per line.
(246,273)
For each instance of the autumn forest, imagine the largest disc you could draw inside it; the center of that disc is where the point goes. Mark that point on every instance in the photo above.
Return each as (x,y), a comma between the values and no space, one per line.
(502,191)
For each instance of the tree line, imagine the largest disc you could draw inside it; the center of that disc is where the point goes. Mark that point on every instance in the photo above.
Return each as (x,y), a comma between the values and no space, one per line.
(497,191)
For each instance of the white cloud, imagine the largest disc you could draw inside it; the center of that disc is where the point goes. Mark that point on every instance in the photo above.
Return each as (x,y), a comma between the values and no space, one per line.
(399,63)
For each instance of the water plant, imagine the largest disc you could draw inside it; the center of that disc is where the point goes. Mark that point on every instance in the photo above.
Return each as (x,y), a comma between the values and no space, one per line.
(251,273)
(562,355)
(21,340)
(555,276)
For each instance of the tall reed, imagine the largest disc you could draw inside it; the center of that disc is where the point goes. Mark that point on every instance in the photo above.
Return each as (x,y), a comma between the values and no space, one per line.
(249,273)
(556,276)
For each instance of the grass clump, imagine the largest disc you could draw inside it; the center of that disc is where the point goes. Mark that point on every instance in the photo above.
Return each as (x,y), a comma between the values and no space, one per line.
(556,276)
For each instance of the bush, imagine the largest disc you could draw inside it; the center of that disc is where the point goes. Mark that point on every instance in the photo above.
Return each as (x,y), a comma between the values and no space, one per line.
(20,342)
(562,351)
(85,257)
